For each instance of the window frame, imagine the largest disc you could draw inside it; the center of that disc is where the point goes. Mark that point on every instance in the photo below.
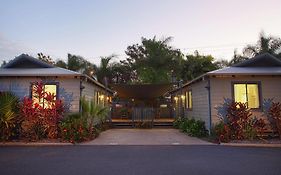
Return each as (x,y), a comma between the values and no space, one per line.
(187,105)
(258,83)
(45,83)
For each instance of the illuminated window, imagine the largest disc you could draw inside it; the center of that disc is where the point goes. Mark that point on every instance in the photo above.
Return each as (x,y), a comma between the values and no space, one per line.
(188,98)
(247,93)
(47,88)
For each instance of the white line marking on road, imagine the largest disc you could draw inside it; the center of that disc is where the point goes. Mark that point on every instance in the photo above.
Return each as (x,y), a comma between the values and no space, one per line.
(113,143)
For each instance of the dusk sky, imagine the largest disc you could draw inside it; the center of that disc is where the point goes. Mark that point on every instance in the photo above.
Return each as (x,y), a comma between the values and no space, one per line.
(101,28)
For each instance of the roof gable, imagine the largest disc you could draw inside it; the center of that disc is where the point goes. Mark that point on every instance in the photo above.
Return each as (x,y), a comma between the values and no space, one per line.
(26,61)
(263,60)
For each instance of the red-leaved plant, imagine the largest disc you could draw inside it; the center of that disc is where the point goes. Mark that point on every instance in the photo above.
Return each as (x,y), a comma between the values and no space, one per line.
(41,114)
(237,122)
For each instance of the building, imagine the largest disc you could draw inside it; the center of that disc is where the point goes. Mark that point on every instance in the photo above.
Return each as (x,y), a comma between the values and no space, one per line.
(19,75)
(249,82)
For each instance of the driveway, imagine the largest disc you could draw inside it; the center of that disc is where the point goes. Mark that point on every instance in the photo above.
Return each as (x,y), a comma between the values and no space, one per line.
(145,137)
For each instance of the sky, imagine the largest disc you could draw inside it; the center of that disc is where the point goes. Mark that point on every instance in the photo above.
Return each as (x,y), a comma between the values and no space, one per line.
(100,28)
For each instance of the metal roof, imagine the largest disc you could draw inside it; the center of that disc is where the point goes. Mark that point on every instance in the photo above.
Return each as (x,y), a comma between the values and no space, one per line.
(247,71)
(264,64)
(27,66)
(26,61)
(19,72)
(262,60)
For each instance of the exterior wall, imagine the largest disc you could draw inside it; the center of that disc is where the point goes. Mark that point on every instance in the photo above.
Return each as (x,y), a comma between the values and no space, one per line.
(200,107)
(221,87)
(90,92)
(69,88)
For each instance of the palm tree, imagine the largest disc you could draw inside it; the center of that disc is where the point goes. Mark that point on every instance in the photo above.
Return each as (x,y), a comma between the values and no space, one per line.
(104,71)
(265,44)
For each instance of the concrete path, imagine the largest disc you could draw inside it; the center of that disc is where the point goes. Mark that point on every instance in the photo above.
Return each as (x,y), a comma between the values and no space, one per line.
(145,137)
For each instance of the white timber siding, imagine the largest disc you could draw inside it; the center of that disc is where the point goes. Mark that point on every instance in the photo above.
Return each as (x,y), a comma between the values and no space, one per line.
(69,88)
(200,108)
(90,90)
(221,87)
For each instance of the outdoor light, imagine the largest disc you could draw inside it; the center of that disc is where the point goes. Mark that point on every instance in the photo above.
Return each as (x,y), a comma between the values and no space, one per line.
(182,97)
(101,97)
(107,98)
(176,98)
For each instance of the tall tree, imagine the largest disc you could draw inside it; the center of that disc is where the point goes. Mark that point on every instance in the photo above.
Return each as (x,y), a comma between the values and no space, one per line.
(265,44)
(45,58)
(196,65)
(237,58)
(79,64)
(61,63)
(221,63)
(104,71)
(152,60)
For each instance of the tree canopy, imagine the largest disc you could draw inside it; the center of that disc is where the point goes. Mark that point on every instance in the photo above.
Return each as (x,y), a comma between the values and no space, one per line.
(156,61)
(153,60)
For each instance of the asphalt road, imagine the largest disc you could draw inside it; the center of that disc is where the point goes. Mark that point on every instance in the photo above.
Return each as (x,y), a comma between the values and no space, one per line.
(134,160)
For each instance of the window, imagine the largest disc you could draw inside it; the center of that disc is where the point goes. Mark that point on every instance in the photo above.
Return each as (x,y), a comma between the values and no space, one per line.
(48,88)
(100,98)
(188,97)
(247,93)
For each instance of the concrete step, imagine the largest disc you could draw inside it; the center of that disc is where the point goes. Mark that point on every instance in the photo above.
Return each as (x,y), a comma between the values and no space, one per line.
(131,125)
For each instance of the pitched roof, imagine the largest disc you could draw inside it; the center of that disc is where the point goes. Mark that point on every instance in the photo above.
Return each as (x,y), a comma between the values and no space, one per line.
(262,60)
(247,71)
(26,61)
(53,71)
(27,66)
(264,64)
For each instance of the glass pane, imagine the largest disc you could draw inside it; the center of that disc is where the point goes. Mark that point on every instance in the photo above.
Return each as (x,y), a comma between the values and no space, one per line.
(240,94)
(186,99)
(35,97)
(189,99)
(253,95)
(50,89)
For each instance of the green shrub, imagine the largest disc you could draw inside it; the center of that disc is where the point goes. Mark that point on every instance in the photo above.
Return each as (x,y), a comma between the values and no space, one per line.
(9,118)
(197,129)
(86,125)
(177,122)
(192,127)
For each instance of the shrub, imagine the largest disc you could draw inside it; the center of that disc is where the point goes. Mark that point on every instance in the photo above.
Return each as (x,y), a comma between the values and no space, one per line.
(74,128)
(86,125)
(192,127)
(41,117)
(221,132)
(273,112)
(236,122)
(177,122)
(9,118)
(197,129)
